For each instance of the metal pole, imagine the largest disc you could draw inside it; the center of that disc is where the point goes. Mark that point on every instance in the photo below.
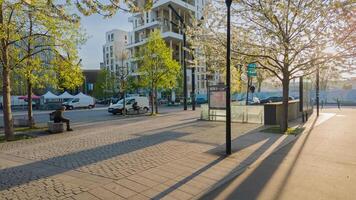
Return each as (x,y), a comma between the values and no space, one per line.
(185,90)
(184,73)
(247,89)
(193,88)
(317,90)
(301,97)
(228,81)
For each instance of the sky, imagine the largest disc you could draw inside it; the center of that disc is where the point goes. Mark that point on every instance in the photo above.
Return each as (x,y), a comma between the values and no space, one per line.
(95,27)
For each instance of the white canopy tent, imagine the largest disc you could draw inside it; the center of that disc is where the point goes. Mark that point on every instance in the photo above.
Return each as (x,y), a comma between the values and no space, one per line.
(65,95)
(49,95)
(81,95)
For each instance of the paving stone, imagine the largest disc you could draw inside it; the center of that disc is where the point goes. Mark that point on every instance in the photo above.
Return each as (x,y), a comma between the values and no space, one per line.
(127,161)
(85,196)
(139,197)
(120,190)
(142,180)
(134,186)
(104,194)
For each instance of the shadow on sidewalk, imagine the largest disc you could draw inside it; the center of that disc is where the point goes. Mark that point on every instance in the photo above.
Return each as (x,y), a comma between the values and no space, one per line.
(18,175)
(237,142)
(254,184)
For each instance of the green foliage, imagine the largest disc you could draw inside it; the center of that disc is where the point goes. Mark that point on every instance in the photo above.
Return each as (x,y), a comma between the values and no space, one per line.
(158,68)
(289,131)
(132,84)
(105,85)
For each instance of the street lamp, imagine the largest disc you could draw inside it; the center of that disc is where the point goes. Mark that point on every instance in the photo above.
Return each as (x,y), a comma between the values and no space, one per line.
(184,58)
(317,92)
(228,81)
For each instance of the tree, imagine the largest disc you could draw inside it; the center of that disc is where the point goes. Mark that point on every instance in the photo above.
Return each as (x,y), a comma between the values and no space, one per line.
(122,74)
(38,69)
(105,84)
(158,69)
(290,37)
(287,38)
(25,30)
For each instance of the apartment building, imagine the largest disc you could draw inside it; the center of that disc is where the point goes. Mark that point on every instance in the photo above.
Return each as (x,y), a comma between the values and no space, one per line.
(161,17)
(115,56)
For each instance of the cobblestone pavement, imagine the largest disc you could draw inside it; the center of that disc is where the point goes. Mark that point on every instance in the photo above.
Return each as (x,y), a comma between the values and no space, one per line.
(172,156)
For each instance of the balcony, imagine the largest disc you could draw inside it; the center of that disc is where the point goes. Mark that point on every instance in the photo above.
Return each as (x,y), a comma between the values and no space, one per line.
(152,23)
(187,4)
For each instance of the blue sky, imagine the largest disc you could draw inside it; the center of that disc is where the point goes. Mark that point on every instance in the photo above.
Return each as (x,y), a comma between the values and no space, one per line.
(95,26)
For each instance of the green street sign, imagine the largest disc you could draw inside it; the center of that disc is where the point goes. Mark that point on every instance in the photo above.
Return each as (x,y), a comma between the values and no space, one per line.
(251,69)
(251,66)
(251,73)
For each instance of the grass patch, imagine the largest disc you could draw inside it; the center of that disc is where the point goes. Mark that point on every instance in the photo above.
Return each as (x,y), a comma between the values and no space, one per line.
(290,131)
(17,137)
(26,129)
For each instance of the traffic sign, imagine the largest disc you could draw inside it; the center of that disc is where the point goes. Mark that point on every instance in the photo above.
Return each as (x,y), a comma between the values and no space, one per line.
(251,69)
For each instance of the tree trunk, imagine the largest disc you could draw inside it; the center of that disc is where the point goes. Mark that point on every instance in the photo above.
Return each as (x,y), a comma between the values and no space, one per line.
(284,117)
(156,101)
(29,104)
(8,120)
(29,84)
(152,100)
(124,104)
(259,84)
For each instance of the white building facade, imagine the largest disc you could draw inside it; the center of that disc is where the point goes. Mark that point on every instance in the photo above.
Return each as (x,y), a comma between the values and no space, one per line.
(115,55)
(161,17)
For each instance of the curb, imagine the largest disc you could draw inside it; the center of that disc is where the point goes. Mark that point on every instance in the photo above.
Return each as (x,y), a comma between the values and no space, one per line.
(308,125)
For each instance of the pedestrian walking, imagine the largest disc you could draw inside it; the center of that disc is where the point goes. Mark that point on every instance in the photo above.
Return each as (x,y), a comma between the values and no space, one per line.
(338,103)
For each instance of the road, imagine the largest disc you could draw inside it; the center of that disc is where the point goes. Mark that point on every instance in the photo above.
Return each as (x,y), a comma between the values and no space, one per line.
(320,164)
(80,116)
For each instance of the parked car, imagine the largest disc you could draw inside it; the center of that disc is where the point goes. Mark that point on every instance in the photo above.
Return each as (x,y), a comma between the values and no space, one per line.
(274,99)
(162,101)
(80,101)
(201,100)
(142,102)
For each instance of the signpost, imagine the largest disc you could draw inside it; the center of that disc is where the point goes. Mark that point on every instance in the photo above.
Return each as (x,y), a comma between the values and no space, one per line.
(251,72)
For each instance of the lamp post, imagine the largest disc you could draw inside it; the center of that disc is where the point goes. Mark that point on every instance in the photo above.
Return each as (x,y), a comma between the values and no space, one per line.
(185,88)
(317,90)
(228,81)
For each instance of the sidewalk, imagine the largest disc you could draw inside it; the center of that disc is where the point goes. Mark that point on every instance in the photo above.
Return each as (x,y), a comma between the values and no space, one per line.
(172,156)
(320,164)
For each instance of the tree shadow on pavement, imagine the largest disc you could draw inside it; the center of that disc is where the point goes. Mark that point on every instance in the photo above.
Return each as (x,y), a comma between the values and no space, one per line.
(22,174)
(269,139)
(253,185)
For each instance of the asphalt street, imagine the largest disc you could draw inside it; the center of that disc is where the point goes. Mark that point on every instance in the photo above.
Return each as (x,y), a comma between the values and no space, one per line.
(80,116)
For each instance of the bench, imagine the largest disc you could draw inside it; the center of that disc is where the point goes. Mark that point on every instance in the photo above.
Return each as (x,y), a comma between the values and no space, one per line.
(55,127)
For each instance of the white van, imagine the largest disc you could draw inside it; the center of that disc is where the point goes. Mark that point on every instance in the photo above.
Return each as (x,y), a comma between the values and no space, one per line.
(142,102)
(80,101)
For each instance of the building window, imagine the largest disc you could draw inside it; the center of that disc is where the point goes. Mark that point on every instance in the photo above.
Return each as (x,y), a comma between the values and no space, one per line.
(111,53)
(111,61)
(111,67)
(112,36)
